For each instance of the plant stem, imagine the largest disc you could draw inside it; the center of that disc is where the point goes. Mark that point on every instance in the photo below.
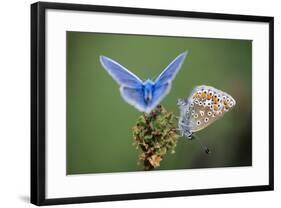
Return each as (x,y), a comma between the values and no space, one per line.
(147,165)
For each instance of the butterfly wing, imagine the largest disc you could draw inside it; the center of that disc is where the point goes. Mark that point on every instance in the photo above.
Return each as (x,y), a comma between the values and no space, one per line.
(135,97)
(163,82)
(200,119)
(205,105)
(210,104)
(130,84)
(119,73)
(169,73)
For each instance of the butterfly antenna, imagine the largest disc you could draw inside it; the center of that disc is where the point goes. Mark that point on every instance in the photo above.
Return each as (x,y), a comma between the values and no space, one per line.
(204,147)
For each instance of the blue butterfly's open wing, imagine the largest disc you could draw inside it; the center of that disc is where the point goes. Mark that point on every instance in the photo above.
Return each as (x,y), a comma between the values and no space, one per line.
(135,97)
(169,73)
(130,84)
(164,80)
(119,73)
(131,87)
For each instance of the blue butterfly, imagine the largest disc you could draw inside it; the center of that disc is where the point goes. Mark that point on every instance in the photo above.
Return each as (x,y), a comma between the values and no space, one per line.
(143,95)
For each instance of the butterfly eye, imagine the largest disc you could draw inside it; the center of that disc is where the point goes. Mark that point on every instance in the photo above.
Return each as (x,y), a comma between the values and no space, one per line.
(230,104)
(200,103)
(209,113)
(198,123)
(228,100)
(206,120)
(195,115)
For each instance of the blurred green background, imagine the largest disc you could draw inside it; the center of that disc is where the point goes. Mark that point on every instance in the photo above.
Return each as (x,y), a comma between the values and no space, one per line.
(99,122)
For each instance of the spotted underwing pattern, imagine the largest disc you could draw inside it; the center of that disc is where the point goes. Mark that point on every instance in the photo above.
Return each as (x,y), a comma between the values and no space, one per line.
(203,107)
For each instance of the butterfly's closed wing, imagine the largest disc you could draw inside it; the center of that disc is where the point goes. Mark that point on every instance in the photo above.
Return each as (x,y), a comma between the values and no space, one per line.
(203,107)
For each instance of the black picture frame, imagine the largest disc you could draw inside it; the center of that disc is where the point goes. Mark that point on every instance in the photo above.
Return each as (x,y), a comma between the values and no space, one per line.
(38,98)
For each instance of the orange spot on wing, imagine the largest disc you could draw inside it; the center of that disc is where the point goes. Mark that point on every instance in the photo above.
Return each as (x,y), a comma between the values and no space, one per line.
(215,100)
(196,95)
(216,107)
(204,95)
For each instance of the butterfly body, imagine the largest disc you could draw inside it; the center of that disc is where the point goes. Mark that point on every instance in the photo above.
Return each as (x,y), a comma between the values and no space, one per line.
(148,88)
(143,95)
(203,107)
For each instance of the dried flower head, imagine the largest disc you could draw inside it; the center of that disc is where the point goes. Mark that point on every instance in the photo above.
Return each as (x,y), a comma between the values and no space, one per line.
(155,135)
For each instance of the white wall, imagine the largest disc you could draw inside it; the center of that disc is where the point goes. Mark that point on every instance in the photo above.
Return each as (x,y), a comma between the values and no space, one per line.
(14,103)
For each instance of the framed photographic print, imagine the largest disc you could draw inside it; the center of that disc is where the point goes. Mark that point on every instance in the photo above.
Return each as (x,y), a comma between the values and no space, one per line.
(131,103)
